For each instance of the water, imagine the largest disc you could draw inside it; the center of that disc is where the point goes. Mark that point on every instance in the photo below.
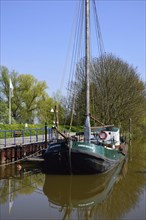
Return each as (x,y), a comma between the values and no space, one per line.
(28,193)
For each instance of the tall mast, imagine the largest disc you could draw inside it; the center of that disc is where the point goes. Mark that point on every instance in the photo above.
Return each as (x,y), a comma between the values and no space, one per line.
(87,127)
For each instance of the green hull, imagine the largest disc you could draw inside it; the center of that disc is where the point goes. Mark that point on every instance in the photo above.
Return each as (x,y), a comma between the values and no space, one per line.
(80,158)
(98,150)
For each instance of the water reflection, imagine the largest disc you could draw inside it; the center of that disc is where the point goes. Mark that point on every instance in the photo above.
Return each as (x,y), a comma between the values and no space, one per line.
(106,196)
(15,181)
(81,192)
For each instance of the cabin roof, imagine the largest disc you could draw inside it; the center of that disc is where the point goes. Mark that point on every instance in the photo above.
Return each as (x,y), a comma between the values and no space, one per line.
(113,129)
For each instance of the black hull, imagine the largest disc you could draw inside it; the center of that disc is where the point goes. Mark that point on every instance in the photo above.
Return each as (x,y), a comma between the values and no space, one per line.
(69,161)
(83,163)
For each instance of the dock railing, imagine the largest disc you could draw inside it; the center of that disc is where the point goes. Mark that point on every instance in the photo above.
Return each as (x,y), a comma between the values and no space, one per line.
(17,137)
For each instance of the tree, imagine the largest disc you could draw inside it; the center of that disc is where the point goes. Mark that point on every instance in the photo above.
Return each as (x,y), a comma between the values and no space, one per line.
(44,113)
(28,92)
(4,93)
(30,100)
(117,93)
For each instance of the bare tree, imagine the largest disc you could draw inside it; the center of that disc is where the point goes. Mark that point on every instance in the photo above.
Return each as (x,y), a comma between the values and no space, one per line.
(116,92)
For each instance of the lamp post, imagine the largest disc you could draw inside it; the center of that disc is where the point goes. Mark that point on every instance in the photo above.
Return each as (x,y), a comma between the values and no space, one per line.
(55,118)
(52,111)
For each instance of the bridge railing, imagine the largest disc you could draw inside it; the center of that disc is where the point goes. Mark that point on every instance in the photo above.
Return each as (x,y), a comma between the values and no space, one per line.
(15,137)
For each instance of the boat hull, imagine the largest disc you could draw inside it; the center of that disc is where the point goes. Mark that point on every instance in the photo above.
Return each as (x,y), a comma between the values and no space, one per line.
(74,158)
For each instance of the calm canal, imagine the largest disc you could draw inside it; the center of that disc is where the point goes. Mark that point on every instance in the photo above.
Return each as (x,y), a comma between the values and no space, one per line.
(29,193)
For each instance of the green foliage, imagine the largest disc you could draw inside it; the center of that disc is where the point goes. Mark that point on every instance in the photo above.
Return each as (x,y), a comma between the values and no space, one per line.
(17,184)
(31,129)
(116,93)
(73,128)
(28,93)
(29,96)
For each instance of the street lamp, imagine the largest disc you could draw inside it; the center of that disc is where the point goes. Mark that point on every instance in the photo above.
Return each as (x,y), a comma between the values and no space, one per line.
(55,118)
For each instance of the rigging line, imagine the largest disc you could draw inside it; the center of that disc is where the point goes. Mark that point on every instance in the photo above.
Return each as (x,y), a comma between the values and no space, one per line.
(79,38)
(68,54)
(98,30)
(76,43)
(76,50)
(68,48)
(102,54)
(93,71)
(100,43)
(6,164)
(72,58)
(78,55)
(74,36)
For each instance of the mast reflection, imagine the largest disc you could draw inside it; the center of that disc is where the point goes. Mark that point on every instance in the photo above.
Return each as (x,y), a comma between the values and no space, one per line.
(81,192)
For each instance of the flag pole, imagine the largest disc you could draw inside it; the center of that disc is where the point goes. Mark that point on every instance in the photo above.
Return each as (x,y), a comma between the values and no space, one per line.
(10,97)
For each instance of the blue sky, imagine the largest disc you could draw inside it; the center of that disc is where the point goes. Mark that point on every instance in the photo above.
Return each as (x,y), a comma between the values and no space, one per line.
(35,35)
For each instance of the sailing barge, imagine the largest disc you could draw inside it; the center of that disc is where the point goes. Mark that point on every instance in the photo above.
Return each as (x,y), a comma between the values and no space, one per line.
(92,155)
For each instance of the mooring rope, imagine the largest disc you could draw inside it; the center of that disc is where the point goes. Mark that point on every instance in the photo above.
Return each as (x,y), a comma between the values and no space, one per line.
(12,162)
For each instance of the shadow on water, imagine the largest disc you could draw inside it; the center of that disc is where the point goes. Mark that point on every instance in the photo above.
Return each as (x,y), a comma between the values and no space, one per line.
(105,196)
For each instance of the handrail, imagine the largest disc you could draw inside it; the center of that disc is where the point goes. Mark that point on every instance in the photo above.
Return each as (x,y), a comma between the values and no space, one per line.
(9,137)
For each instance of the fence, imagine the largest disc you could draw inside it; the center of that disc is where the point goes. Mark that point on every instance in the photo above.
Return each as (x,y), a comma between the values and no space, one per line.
(16,137)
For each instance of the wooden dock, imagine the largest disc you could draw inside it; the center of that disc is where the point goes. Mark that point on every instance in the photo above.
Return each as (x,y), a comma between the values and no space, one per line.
(17,153)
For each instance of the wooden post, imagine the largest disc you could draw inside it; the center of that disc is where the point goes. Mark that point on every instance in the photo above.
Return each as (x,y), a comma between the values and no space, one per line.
(130,138)
(46,134)
(20,147)
(56,119)
(130,129)
(15,154)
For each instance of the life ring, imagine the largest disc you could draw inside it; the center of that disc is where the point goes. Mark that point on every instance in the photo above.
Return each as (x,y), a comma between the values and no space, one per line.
(103,135)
